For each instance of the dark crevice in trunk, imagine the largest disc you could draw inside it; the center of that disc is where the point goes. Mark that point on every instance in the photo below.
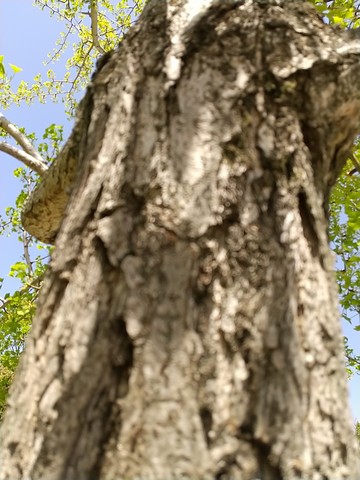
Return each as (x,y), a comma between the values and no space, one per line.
(268,471)
(103,401)
(207,422)
(308,224)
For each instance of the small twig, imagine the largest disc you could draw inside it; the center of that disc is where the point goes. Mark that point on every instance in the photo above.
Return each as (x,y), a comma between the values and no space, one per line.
(94,26)
(30,161)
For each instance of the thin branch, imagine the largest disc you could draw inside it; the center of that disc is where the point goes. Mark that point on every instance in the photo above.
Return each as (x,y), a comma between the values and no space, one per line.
(62,47)
(353,359)
(27,253)
(30,161)
(80,68)
(94,26)
(60,14)
(20,138)
(355,163)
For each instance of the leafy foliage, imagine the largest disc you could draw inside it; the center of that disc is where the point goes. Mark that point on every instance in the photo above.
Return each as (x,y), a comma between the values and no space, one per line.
(91,28)
(17,309)
(14,68)
(344,13)
(344,229)
(345,237)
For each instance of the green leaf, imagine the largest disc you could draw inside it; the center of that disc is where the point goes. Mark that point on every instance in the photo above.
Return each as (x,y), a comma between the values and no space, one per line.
(14,68)
(2,68)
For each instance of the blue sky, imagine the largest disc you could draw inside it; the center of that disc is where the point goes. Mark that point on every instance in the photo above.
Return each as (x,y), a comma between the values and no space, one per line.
(27,35)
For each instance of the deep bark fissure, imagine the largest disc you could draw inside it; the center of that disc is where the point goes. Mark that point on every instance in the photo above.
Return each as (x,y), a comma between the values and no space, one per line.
(308,223)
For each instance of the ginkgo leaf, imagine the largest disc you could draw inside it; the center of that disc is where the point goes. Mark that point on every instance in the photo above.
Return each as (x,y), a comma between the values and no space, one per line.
(2,68)
(14,68)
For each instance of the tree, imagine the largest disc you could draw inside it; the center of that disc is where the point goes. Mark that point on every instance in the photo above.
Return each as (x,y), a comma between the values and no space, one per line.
(187,327)
(108,21)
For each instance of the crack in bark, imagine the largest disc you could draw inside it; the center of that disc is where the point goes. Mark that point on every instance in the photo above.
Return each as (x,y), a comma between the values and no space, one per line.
(308,224)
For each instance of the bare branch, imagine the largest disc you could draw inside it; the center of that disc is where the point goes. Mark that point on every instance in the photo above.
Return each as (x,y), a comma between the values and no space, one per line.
(20,138)
(94,26)
(30,161)
(30,156)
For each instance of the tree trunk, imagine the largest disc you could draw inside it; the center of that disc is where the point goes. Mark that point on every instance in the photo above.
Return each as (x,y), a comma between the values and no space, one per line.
(188,326)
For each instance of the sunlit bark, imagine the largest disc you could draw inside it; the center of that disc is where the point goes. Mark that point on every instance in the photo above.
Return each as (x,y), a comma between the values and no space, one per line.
(188,325)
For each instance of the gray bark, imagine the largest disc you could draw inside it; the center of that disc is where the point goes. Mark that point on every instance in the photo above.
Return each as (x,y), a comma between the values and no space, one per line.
(188,325)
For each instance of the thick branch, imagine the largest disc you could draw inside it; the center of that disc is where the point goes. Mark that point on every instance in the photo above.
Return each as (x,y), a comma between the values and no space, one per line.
(24,157)
(20,138)
(94,26)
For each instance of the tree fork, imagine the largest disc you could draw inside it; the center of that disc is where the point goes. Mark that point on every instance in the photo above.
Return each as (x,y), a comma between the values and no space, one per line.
(188,324)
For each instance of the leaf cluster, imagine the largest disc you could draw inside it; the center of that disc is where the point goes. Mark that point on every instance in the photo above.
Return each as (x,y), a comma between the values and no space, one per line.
(91,28)
(344,229)
(17,308)
(344,13)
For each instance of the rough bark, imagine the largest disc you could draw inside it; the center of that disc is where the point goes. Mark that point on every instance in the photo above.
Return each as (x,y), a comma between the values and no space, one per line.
(188,325)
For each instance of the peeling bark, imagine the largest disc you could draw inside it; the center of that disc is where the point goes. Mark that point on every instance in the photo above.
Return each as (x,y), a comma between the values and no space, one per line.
(188,325)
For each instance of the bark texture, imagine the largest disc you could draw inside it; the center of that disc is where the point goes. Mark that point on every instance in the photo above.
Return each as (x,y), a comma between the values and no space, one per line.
(188,325)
